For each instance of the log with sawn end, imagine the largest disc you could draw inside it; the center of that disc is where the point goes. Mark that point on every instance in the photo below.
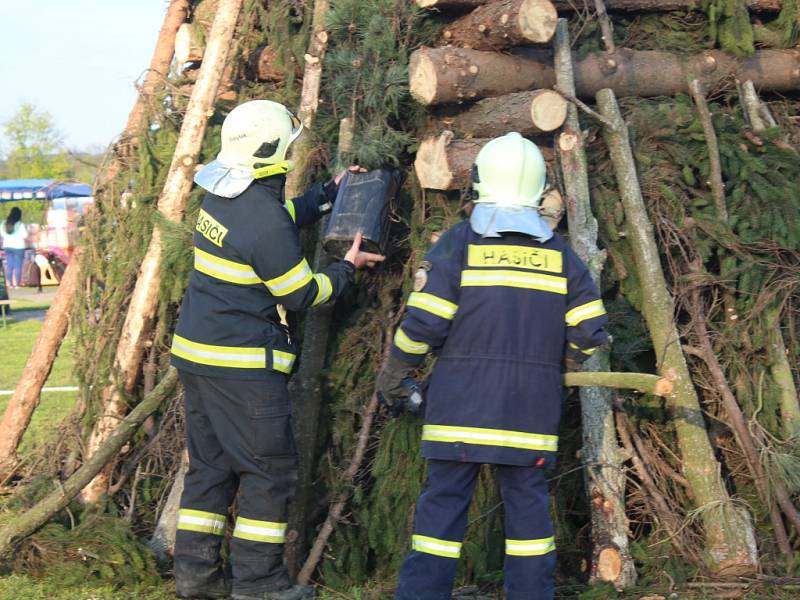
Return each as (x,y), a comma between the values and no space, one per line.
(503,24)
(530,113)
(445,163)
(448,75)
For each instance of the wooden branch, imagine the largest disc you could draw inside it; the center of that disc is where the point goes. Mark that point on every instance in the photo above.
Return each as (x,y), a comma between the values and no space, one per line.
(171,203)
(606,28)
(605,480)
(177,11)
(504,23)
(37,369)
(741,432)
(30,521)
(728,531)
(163,541)
(582,105)
(529,113)
(309,97)
(641,382)
(716,183)
(446,75)
(337,508)
(613,5)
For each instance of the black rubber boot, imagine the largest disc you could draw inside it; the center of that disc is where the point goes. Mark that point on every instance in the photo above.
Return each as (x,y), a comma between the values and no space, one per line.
(214,589)
(294,592)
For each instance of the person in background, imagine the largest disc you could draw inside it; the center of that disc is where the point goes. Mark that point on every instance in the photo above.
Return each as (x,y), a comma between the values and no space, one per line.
(14,233)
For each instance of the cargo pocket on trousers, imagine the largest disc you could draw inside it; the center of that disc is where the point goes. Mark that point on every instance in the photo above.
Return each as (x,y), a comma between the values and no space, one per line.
(272,437)
(270,422)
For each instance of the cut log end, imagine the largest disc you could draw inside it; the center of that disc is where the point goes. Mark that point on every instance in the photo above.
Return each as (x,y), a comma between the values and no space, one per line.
(548,110)
(664,387)
(537,20)
(552,208)
(609,564)
(422,78)
(431,163)
(187,48)
(426,3)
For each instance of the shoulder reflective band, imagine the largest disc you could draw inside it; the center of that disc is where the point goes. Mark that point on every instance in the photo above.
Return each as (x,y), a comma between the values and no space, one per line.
(433,304)
(515,279)
(519,257)
(589,310)
(201,521)
(291,209)
(259,531)
(429,545)
(226,270)
(291,281)
(406,344)
(490,437)
(219,356)
(587,351)
(530,547)
(283,361)
(324,288)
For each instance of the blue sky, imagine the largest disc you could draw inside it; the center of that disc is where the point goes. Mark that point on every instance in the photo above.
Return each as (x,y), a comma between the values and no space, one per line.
(77,59)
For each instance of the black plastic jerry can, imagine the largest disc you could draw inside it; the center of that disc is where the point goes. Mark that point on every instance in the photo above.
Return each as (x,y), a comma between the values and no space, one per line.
(362,204)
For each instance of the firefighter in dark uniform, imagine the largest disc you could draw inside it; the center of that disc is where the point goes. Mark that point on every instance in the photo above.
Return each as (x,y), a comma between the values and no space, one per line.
(234,349)
(502,300)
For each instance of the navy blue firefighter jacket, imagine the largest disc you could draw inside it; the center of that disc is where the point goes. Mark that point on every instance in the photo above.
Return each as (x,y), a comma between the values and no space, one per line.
(501,313)
(249,277)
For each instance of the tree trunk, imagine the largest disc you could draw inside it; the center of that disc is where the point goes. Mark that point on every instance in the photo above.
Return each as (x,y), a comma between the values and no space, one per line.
(171,203)
(306,387)
(529,113)
(163,541)
(309,97)
(177,12)
(445,75)
(504,23)
(729,535)
(614,5)
(45,509)
(26,396)
(611,560)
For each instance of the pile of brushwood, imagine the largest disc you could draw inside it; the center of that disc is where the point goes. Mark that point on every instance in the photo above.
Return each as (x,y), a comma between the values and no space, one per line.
(718,177)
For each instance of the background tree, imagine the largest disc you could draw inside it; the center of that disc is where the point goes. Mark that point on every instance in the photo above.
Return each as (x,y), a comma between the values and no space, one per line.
(35,146)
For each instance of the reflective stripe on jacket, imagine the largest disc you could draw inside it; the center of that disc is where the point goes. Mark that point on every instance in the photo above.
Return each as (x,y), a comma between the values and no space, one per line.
(501,313)
(249,277)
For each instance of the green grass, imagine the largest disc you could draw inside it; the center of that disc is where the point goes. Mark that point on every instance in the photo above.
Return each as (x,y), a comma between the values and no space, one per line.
(20,587)
(16,342)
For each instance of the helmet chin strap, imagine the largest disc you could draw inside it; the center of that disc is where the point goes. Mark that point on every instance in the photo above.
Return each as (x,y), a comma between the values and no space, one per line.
(280,168)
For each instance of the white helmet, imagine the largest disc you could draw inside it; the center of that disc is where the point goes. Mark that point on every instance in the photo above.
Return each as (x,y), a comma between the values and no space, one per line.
(256,136)
(509,177)
(510,171)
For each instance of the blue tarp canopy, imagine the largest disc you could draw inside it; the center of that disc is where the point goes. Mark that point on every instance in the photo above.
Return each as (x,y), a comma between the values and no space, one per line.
(42,189)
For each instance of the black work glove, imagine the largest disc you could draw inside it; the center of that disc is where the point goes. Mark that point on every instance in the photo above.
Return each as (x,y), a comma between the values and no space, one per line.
(389,386)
